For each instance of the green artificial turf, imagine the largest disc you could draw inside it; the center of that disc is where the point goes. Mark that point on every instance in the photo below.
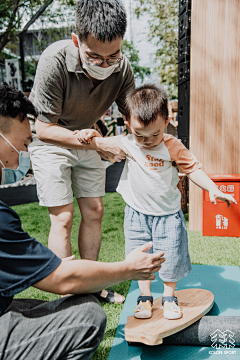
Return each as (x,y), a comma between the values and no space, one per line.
(203,250)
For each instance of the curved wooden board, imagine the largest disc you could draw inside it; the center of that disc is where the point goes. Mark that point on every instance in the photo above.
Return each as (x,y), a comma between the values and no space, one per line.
(194,303)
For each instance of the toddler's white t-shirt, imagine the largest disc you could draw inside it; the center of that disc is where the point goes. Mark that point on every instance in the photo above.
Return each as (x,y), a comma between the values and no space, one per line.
(149,184)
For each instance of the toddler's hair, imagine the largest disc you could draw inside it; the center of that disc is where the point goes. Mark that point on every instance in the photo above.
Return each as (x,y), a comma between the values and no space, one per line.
(146,103)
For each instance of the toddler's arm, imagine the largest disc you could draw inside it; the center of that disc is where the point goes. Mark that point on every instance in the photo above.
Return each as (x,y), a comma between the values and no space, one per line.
(85,136)
(200,178)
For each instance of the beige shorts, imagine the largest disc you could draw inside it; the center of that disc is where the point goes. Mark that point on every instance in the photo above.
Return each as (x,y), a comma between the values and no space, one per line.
(63,173)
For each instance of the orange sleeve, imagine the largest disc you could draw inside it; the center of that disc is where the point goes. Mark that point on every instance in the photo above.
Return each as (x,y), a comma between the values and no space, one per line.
(185,160)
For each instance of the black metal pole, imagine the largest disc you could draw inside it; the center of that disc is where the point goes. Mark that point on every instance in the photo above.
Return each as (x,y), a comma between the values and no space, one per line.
(2,77)
(21,44)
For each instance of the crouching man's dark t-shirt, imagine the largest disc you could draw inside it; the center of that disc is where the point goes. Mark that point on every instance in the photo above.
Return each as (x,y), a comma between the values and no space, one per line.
(23,260)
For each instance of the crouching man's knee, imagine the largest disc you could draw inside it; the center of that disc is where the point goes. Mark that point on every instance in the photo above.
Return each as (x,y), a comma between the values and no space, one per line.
(99,320)
(91,323)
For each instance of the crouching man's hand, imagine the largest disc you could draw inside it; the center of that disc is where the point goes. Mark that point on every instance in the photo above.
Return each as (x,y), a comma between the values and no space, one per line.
(142,265)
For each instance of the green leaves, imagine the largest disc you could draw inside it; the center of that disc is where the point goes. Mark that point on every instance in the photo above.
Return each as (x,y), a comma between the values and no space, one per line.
(164,30)
(132,54)
(14,15)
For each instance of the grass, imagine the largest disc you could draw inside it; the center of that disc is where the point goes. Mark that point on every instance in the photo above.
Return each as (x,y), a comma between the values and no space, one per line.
(203,250)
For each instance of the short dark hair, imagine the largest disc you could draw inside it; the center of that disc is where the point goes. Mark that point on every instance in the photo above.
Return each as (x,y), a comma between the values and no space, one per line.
(106,20)
(146,103)
(14,103)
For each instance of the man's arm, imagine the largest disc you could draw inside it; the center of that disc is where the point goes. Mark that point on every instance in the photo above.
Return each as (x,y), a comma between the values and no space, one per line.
(86,276)
(53,134)
(200,178)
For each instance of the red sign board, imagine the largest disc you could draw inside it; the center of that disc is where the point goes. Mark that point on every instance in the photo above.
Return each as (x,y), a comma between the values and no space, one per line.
(219,220)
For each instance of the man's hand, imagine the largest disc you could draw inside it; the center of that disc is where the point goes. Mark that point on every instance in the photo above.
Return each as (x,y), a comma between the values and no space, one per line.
(110,147)
(85,136)
(102,155)
(216,193)
(69,258)
(142,265)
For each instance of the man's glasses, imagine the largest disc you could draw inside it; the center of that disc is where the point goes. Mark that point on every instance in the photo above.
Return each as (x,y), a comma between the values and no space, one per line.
(98,62)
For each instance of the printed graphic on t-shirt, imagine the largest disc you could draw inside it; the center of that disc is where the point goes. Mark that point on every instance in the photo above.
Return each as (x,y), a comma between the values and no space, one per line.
(154,163)
(149,184)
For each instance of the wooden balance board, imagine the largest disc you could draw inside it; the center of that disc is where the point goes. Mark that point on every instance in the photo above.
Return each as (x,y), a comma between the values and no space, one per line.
(194,303)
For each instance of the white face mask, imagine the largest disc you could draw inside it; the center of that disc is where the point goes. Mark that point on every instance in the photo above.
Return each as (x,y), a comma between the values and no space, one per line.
(98,72)
(94,71)
(10,176)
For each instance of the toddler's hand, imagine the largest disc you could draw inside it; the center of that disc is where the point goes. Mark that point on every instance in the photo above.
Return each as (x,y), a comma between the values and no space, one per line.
(85,136)
(213,194)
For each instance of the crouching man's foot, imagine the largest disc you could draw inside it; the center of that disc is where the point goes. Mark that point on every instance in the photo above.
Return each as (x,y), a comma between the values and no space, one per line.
(170,308)
(109,296)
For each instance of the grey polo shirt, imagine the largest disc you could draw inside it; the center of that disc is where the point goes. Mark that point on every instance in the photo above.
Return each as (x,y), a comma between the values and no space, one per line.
(65,95)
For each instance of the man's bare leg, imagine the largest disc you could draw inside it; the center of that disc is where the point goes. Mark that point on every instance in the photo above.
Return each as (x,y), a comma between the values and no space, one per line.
(90,232)
(61,225)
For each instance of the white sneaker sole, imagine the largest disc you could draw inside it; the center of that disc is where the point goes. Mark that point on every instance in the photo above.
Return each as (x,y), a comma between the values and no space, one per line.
(143,314)
(170,315)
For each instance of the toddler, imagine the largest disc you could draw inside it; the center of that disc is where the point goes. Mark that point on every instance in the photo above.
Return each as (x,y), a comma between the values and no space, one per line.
(148,185)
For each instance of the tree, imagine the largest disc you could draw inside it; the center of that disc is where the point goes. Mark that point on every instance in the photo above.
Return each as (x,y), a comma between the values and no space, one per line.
(17,15)
(61,12)
(132,54)
(164,30)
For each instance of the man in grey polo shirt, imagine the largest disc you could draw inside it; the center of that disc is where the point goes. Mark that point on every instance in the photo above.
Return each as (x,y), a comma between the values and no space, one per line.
(76,82)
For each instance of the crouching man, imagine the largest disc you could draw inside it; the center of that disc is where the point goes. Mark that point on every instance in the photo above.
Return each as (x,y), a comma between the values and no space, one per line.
(71,327)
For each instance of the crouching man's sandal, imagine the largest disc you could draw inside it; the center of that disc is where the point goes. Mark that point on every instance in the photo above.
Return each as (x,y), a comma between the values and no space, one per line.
(110,296)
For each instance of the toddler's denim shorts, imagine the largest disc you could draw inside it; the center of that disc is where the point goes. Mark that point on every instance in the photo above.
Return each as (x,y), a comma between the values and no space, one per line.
(168,233)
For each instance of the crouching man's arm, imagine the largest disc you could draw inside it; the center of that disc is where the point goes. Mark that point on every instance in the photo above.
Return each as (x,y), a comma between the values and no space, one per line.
(86,276)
